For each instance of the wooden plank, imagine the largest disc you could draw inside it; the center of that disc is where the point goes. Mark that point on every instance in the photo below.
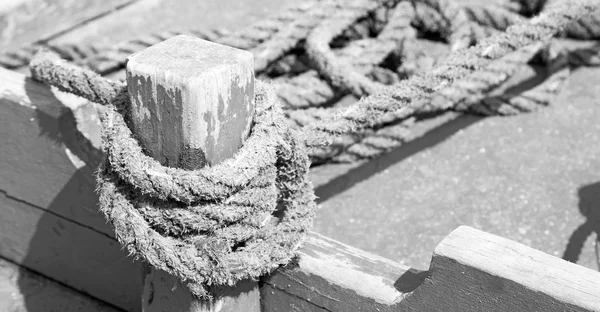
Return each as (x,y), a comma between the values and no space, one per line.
(192,105)
(68,253)
(274,300)
(37,20)
(471,271)
(49,151)
(476,271)
(22,290)
(336,277)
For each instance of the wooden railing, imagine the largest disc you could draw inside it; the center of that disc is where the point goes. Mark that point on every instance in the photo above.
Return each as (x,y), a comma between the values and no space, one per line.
(49,223)
(470,271)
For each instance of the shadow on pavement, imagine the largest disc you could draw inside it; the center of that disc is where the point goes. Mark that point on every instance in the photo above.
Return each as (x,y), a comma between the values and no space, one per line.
(589,207)
(374,166)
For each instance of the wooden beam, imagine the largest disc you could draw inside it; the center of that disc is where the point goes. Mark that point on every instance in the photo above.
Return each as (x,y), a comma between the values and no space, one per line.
(470,271)
(331,276)
(53,147)
(473,270)
(192,105)
(26,291)
(69,253)
(492,281)
(37,20)
(49,219)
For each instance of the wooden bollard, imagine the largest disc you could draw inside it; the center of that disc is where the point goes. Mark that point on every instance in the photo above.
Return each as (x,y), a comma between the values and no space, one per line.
(192,105)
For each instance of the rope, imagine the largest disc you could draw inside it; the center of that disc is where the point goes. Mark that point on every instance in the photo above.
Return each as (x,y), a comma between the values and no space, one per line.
(290,36)
(589,56)
(106,59)
(412,96)
(375,143)
(74,52)
(313,115)
(305,90)
(247,38)
(587,28)
(114,58)
(308,90)
(495,16)
(248,215)
(317,46)
(214,225)
(356,78)
(528,101)
(531,7)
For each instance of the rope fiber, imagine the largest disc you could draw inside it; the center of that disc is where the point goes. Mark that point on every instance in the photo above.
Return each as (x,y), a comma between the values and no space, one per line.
(239,219)
(248,215)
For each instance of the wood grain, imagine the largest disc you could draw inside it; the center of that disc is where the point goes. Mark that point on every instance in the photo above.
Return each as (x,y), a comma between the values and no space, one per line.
(37,20)
(475,271)
(24,291)
(49,152)
(471,271)
(48,137)
(275,300)
(68,253)
(191,96)
(192,105)
(336,277)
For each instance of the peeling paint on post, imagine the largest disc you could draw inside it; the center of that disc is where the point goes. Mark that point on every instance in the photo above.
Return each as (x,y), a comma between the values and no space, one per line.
(192,105)
(191,94)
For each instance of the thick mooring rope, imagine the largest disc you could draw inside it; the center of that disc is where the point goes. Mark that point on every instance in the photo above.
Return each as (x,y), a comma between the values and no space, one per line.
(239,219)
(246,216)
(455,83)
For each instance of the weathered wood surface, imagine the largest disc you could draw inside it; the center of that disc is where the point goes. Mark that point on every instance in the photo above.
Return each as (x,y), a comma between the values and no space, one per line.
(24,291)
(471,271)
(475,271)
(30,21)
(417,299)
(50,148)
(331,276)
(69,253)
(192,105)
(50,221)
(191,96)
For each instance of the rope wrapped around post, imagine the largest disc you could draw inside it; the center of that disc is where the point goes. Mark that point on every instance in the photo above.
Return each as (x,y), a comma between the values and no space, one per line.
(217,225)
(244,217)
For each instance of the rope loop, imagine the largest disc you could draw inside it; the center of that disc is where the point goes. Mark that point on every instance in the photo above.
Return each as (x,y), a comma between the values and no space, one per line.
(249,214)
(216,225)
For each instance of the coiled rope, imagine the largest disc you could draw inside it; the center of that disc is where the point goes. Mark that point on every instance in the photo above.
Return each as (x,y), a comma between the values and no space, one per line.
(239,219)
(456,84)
(244,217)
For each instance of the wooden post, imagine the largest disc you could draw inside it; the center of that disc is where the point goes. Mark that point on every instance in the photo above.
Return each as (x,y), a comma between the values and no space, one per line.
(192,105)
